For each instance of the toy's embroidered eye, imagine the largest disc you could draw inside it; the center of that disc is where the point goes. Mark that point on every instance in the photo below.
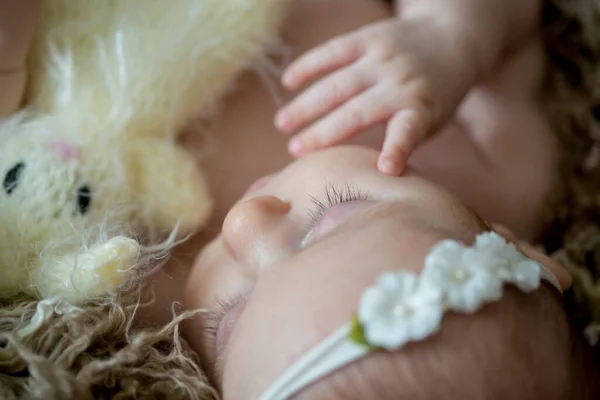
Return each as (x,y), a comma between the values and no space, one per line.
(84,199)
(11,179)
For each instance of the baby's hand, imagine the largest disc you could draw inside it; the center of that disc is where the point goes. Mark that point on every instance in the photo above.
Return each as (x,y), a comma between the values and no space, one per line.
(395,72)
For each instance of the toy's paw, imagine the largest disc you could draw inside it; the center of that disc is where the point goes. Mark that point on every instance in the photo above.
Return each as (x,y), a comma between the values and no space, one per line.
(111,262)
(95,272)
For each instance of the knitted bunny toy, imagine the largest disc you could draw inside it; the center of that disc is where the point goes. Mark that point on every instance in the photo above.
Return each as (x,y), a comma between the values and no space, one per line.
(92,169)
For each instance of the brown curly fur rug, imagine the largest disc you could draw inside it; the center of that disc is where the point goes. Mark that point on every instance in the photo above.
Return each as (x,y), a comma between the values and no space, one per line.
(572,34)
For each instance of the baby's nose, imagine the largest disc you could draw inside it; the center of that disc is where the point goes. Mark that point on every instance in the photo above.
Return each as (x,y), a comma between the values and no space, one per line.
(254,231)
(64,150)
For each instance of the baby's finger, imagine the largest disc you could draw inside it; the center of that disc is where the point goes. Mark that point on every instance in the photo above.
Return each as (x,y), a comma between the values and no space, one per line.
(321,98)
(328,57)
(350,119)
(405,130)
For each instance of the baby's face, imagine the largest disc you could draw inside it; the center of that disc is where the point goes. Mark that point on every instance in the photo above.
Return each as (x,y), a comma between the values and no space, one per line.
(286,272)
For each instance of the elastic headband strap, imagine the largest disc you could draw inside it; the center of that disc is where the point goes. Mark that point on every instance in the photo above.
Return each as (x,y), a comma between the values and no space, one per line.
(335,352)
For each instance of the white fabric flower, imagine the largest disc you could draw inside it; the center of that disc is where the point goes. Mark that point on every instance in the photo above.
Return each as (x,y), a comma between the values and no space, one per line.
(526,275)
(508,262)
(462,276)
(405,307)
(501,255)
(399,309)
(496,245)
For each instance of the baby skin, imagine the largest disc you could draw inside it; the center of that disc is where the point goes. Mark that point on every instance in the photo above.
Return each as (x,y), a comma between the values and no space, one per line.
(448,87)
(496,153)
(410,72)
(459,69)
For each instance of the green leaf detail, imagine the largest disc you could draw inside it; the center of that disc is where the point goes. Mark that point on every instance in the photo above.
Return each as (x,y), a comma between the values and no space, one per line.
(357,334)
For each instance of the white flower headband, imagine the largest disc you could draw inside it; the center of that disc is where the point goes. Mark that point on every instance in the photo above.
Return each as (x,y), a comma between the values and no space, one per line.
(405,307)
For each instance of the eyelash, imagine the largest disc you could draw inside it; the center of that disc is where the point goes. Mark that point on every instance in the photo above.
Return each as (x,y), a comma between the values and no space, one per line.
(333,196)
(212,318)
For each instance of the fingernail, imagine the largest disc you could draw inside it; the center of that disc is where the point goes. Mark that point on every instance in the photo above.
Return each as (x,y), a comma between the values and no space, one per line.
(281,120)
(296,146)
(288,80)
(389,165)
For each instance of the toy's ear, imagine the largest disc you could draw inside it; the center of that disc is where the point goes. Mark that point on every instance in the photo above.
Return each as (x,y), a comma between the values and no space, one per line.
(172,192)
(93,272)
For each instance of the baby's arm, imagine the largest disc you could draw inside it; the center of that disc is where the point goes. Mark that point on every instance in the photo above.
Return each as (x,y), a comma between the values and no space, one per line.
(17,23)
(410,72)
(490,28)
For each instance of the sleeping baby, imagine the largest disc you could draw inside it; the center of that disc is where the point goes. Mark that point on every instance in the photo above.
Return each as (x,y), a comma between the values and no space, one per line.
(377,287)
(286,267)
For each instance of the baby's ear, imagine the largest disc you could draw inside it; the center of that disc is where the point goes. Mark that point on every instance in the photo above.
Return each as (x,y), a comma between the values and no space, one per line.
(563,277)
(172,192)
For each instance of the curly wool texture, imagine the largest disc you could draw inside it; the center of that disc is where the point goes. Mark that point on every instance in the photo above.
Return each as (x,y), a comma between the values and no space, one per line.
(53,350)
(572,36)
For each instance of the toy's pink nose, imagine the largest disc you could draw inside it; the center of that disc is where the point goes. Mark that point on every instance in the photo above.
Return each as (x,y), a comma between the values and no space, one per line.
(64,150)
